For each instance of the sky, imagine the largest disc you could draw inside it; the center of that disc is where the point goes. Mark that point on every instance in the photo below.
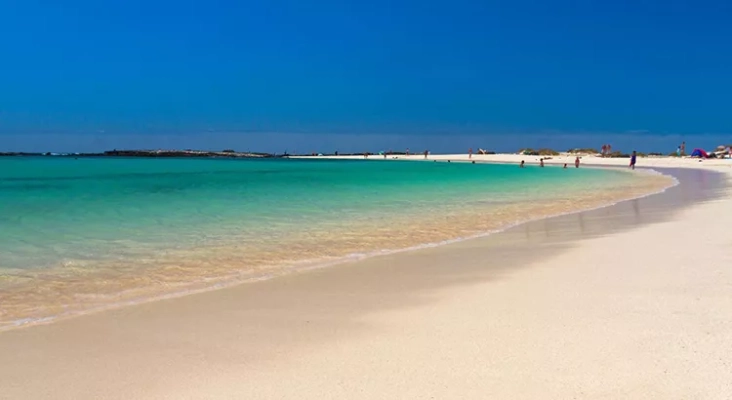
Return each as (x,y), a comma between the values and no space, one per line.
(322,75)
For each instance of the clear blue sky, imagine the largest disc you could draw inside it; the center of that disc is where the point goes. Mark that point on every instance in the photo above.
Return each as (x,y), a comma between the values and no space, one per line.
(84,75)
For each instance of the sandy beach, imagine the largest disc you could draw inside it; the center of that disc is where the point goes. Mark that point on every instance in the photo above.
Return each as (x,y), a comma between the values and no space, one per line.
(563,158)
(632,301)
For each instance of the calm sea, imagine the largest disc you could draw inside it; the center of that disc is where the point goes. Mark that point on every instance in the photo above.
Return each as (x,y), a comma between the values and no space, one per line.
(83,234)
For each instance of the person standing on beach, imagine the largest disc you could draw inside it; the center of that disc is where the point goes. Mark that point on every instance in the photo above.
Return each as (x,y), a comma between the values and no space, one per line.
(632,160)
(683,148)
(470,153)
(426,152)
(604,150)
(407,151)
(576,162)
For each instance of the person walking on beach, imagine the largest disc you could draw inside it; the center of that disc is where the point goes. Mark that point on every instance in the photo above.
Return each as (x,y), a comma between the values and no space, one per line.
(576,162)
(604,150)
(683,148)
(426,152)
(407,151)
(470,153)
(632,160)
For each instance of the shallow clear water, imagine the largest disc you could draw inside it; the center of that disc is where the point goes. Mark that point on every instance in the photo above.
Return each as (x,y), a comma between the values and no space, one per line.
(77,234)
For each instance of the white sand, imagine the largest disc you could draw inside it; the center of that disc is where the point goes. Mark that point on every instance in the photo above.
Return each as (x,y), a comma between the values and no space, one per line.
(641,314)
(669,162)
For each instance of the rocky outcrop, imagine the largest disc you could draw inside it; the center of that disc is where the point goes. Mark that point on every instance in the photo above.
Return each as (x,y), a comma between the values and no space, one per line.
(148,153)
(184,153)
(18,154)
(540,152)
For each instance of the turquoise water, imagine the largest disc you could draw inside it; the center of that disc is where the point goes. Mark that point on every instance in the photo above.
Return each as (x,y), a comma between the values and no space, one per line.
(96,228)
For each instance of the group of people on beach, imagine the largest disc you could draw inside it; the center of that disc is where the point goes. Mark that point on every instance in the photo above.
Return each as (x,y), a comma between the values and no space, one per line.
(541,162)
(633,159)
(681,150)
(606,149)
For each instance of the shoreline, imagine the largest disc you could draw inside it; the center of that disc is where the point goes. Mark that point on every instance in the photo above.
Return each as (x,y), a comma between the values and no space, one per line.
(563,158)
(235,279)
(306,322)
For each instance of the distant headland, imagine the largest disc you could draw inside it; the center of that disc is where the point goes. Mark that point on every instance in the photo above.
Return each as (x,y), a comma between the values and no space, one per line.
(151,154)
(720,151)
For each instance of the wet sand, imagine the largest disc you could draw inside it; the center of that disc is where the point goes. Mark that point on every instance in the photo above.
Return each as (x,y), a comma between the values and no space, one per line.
(628,301)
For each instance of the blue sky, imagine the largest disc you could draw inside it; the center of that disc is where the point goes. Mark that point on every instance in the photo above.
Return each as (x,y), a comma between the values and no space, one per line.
(87,75)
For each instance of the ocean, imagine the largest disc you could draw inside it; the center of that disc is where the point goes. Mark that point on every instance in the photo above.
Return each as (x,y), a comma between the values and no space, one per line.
(78,235)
